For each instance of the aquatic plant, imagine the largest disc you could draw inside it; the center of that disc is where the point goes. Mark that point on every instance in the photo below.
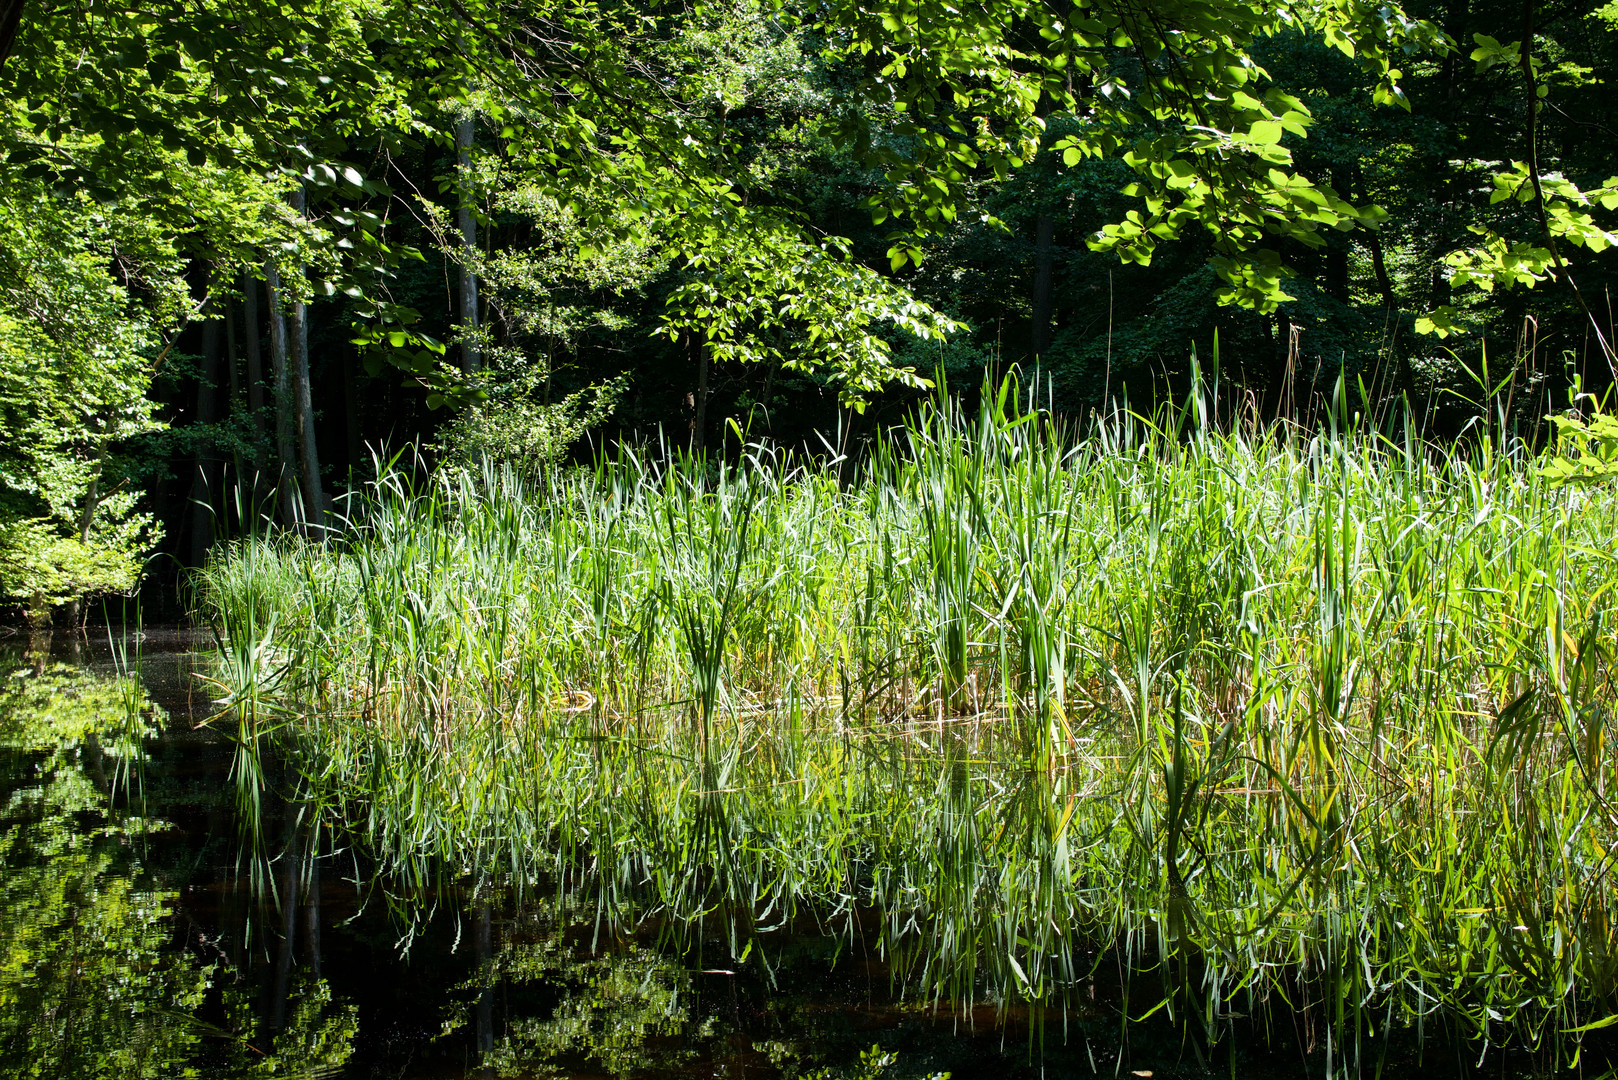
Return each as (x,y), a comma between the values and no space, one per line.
(1280,723)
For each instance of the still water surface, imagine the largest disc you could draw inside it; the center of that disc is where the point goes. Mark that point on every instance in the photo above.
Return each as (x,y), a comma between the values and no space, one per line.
(143,933)
(138,940)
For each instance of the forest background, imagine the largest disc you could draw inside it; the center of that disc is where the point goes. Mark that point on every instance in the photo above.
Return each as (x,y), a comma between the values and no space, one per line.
(245,249)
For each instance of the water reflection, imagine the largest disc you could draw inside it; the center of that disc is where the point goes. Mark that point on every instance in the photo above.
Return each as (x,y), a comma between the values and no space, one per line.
(139,937)
(94,980)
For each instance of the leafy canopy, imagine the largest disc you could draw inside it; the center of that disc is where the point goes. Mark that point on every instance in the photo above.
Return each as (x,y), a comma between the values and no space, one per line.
(1168,86)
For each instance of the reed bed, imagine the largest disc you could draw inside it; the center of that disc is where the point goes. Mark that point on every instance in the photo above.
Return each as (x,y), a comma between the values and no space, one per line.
(1280,724)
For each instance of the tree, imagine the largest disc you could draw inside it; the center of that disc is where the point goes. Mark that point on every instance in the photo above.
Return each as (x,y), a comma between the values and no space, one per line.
(1561,215)
(1169,87)
(76,352)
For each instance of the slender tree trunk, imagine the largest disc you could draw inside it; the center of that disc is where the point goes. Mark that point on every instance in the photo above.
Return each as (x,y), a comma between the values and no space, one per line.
(255,359)
(351,406)
(1379,268)
(10,23)
(204,474)
(233,369)
(87,516)
(699,417)
(1390,299)
(1336,276)
(303,399)
(1044,264)
(767,396)
(285,429)
(233,357)
(466,220)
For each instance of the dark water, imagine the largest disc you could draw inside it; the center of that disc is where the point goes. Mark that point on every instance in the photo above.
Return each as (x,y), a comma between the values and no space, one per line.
(144,934)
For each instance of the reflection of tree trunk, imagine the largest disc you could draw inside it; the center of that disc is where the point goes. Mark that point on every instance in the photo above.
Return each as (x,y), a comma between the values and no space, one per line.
(314,498)
(483,945)
(1044,263)
(94,759)
(234,931)
(204,475)
(467,223)
(285,448)
(288,897)
(38,654)
(311,904)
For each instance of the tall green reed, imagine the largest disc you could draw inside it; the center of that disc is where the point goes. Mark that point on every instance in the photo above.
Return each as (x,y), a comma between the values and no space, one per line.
(1286,722)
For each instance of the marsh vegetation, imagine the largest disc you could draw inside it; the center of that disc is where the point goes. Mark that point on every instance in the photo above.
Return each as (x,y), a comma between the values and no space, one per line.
(1276,733)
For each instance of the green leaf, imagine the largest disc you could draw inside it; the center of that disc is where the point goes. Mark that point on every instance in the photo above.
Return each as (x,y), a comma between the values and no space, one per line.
(1597,1025)
(1266,132)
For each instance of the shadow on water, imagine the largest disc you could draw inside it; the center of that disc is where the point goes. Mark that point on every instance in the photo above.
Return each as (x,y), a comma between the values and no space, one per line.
(144,934)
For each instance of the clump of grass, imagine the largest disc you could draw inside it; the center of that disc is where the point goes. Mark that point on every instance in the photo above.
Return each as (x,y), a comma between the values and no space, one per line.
(1294,724)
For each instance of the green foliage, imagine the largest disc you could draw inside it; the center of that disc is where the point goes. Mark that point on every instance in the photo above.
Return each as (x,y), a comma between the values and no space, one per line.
(1562,211)
(874,1064)
(317,1041)
(512,427)
(1586,449)
(1173,91)
(77,350)
(618,1009)
(804,306)
(1499,262)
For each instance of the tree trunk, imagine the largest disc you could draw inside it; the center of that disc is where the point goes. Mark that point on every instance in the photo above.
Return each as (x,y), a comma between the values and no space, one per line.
(10,23)
(303,400)
(92,500)
(466,220)
(1336,276)
(1384,288)
(255,359)
(699,417)
(233,370)
(351,406)
(233,357)
(204,474)
(285,447)
(1044,263)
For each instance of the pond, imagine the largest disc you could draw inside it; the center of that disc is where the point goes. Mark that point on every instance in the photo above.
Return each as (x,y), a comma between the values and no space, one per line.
(145,931)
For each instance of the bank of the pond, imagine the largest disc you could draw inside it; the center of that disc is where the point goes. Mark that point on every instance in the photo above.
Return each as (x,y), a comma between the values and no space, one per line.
(1301,734)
